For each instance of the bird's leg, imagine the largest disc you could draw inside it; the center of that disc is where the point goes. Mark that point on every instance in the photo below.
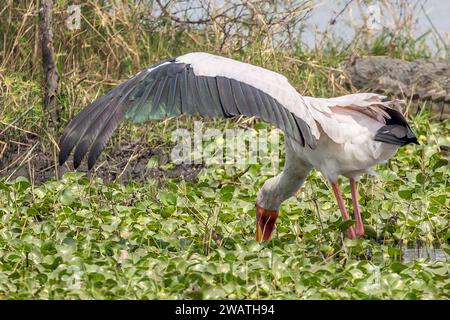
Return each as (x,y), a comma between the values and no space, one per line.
(359,230)
(341,204)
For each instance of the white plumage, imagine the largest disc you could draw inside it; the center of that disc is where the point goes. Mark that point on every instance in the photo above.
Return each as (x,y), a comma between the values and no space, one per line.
(345,135)
(345,128)
(272,83)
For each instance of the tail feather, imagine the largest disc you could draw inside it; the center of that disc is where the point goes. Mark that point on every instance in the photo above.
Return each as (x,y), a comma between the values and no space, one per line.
(394,127)
(396,131)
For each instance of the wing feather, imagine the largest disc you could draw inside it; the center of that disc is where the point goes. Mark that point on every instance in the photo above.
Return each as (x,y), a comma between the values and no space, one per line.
(171,88)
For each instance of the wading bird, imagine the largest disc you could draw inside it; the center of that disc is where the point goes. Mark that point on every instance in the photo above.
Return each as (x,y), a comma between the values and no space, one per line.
(342,136)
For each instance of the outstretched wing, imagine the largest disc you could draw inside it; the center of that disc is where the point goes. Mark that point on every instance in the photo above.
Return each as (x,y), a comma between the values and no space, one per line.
(196,83)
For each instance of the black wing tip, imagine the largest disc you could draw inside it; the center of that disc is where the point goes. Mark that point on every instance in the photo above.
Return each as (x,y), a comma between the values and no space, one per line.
(414,140)
(62,159)
(64,152)
(91,164)
(81,138)
(76,163)
(94,153)
(394,141)
(411,136)
(386,134)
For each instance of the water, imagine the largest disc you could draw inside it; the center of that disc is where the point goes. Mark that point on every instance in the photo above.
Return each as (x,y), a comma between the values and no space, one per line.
(409,255)
(350,20)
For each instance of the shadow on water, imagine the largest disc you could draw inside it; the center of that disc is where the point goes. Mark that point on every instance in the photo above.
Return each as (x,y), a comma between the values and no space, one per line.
(412,254)
(412,251)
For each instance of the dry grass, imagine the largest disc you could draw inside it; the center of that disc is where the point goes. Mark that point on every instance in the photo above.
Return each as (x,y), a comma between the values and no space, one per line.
(116,41)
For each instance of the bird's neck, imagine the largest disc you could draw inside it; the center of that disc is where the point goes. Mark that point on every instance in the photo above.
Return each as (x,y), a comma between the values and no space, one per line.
(283,186)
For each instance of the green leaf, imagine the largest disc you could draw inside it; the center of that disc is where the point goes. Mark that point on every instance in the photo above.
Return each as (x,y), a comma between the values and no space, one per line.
(394,252)
(68,197)
(370,231)
(344,225)
(398,267)
(153,162)
(21,183)
(168,198)
(406,194)
(48,248)
(420,178)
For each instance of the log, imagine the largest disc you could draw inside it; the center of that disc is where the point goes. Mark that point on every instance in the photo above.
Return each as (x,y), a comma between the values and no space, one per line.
(417,81)
(48,62)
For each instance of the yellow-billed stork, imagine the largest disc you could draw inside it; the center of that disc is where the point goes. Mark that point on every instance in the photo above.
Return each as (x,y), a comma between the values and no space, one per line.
(342,136)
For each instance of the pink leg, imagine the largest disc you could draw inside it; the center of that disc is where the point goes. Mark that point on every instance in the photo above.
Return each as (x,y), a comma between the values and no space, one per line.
(359,223)
(341,204)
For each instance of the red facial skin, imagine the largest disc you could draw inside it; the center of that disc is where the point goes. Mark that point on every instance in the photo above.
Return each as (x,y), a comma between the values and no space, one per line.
(265,223)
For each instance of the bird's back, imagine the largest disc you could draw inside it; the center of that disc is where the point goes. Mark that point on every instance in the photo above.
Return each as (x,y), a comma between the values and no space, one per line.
(355,135)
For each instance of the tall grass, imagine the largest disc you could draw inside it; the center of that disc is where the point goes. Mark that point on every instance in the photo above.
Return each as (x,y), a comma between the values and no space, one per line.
(118,38)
